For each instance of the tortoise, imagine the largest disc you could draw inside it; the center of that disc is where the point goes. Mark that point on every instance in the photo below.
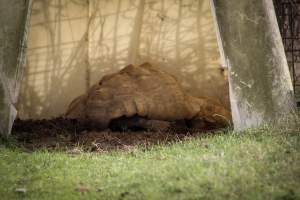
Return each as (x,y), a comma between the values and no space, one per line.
(146,97)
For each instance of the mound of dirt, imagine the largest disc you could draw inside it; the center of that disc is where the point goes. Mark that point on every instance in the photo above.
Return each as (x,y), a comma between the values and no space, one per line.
(144,96)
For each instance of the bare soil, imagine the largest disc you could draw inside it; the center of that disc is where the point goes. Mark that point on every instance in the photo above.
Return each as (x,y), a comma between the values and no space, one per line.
(74,136)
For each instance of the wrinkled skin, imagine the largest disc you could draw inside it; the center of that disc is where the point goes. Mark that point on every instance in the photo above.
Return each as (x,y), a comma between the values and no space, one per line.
(145,93)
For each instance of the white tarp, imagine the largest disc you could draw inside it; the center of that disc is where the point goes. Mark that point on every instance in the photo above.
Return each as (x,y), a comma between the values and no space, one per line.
(73,44)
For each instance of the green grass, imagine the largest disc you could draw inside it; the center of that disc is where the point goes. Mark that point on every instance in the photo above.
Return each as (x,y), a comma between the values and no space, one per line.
(255,164)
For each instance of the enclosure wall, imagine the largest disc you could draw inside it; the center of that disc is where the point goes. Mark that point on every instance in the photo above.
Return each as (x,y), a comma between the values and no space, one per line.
(73,44)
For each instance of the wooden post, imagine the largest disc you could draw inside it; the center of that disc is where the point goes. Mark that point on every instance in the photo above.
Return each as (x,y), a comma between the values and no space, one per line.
(14,19)
(260,84)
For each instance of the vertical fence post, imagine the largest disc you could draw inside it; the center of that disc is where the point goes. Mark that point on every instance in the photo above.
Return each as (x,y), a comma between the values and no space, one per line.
(14,21)
(261,90)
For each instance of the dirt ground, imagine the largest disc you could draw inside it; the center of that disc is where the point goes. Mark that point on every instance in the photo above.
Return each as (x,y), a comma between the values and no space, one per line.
(73,136)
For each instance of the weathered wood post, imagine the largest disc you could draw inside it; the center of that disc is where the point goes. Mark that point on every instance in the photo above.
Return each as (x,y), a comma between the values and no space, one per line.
(14,18)
(260,84)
